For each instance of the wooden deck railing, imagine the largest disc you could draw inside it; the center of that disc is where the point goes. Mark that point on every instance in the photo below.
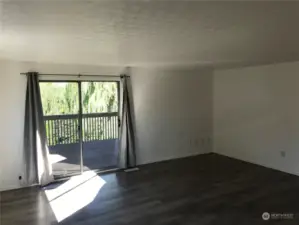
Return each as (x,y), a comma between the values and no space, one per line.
(63,129)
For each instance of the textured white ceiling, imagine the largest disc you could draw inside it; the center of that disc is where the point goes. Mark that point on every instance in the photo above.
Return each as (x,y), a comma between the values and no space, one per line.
(149,32)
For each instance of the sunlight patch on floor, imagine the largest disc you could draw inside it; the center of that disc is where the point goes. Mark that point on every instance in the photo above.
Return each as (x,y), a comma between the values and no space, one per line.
(69,197)
(55,158)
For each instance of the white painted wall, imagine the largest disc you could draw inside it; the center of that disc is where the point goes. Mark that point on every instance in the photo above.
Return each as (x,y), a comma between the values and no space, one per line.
(12,101)
(172,108)
(173,112)
(256,115)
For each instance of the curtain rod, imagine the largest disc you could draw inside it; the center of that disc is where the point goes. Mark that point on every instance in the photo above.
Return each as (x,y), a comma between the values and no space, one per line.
(77,75)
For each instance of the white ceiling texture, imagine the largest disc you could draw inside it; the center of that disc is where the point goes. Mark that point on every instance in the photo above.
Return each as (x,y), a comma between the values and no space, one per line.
(152,32)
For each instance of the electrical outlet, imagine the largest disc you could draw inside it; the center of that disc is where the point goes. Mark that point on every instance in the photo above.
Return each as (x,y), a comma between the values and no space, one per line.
(209,140)
(196,142)
(283,154)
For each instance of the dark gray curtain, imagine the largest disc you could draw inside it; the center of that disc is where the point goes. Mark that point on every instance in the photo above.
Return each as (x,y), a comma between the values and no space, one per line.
(38,168)
(127,156)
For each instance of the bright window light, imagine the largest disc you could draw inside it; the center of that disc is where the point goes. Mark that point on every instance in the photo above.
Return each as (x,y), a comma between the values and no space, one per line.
(68,198)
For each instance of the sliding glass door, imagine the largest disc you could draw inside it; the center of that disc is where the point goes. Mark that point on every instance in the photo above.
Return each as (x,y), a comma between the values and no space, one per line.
(81,121)
(100,124)
(60,102)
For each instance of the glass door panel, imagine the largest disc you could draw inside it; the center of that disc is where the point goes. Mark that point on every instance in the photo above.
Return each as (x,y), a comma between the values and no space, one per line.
(100,106)
(60,101)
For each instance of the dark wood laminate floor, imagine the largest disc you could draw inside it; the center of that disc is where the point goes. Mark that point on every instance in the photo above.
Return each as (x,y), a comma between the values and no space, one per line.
(206,189)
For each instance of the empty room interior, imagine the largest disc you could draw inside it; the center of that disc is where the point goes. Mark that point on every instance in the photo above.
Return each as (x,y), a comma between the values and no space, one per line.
(149,112)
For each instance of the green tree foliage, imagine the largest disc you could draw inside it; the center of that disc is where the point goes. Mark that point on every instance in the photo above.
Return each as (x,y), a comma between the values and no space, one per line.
(61,98)
(71,99)
(99,97)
